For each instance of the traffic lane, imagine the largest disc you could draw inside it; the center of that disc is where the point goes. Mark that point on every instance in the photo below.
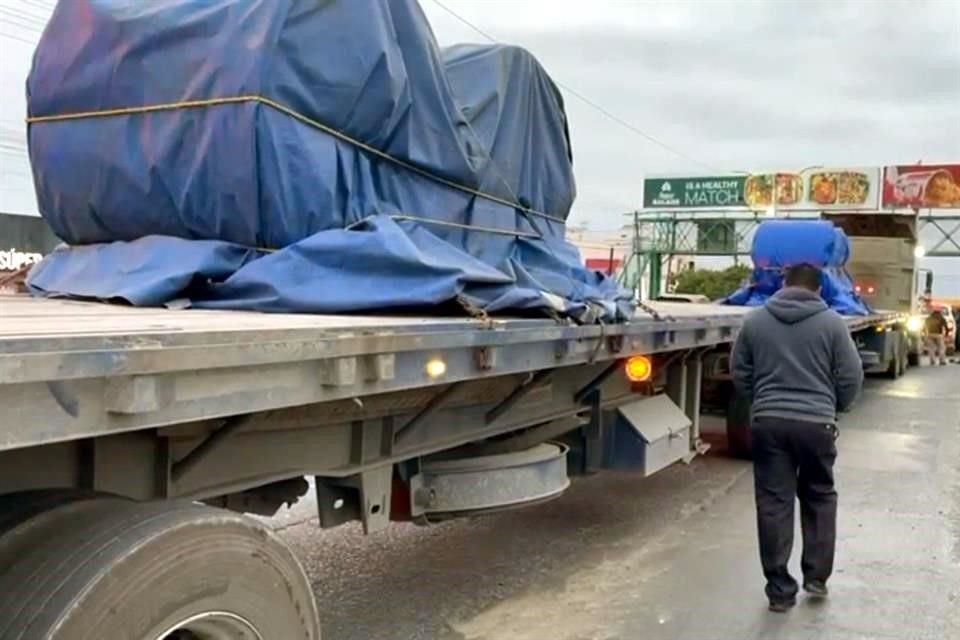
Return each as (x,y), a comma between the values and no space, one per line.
(416,583)
(672,557)
(897,568)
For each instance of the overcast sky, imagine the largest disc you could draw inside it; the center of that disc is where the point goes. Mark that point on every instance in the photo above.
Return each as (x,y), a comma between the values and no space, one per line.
(732,85)
(736,85)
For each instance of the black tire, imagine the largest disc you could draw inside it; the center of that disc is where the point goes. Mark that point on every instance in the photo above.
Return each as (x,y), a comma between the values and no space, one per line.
(895,368)
(122,570)
(913,359)
(739,442)
(29,517)
(17,508)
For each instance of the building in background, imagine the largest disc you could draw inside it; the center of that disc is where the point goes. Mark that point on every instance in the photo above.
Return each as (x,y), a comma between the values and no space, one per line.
(24,240)
(604,251)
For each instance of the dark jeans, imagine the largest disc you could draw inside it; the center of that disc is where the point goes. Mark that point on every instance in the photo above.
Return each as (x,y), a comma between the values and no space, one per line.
(794,459)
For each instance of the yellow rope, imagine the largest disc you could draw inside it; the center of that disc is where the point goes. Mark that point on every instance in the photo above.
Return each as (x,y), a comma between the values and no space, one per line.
(212,102)
(472,227)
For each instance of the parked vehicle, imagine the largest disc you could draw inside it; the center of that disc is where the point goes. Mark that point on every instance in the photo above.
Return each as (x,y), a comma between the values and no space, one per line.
(882,337)
(884,271)
(452,356)
(683,297)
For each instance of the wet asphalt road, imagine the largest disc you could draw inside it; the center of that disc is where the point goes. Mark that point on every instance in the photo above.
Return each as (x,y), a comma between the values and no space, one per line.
(672,557)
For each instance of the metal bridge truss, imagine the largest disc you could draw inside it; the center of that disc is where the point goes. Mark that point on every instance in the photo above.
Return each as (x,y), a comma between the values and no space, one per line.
(660,236)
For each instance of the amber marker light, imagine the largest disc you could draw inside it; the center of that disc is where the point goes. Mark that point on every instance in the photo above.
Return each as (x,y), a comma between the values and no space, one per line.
(639,368)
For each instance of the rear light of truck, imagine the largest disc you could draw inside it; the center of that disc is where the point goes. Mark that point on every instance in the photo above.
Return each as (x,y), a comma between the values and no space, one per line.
(638,368)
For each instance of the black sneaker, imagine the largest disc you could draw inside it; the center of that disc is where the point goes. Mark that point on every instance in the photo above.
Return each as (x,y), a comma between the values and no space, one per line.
(816,589)
(782,606)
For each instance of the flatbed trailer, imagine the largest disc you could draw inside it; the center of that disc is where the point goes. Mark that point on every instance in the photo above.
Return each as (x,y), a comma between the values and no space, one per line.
(130,438)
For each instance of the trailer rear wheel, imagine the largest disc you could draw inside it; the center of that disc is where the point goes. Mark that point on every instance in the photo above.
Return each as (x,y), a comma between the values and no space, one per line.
(19,508)
(161,571)
(739,442)
(895,368)
(898,358)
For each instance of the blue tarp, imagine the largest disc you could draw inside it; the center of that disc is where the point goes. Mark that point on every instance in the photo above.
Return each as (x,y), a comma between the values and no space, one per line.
(301,156)
(778,244)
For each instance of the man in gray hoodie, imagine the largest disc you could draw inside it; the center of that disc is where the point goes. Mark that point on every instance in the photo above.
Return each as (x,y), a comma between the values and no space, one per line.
(796,362)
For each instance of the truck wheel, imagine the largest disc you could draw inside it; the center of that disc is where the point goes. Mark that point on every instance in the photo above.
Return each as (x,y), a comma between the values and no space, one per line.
(913,359)
(18,508)
(158,571)
(28,517)
(895,368)
(738,426)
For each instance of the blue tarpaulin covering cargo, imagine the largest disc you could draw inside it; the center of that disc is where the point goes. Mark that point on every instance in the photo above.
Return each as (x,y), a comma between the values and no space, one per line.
(778,244)
(301,157)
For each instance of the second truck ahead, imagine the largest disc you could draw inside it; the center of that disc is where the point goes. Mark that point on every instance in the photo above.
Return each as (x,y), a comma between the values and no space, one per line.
(883,268)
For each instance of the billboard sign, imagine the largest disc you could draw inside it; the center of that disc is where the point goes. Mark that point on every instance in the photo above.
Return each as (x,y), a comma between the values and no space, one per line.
(23,241)
(935,186)
(846,189)
(712,192)
(819,189)
(14,259)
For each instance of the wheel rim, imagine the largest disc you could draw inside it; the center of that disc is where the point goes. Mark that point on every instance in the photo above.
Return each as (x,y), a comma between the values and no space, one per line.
(213,625)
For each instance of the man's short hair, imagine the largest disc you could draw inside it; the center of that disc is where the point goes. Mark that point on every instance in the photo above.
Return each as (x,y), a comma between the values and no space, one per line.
(803,275)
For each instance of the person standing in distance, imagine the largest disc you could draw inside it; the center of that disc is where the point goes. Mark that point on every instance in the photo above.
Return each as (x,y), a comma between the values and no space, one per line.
(796,362)
(935,328)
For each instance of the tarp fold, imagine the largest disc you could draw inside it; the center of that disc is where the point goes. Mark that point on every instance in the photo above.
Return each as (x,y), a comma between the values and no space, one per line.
(300,156)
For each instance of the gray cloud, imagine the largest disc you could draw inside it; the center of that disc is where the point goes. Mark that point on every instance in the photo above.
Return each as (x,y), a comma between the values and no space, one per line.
(750,85)
(738,84)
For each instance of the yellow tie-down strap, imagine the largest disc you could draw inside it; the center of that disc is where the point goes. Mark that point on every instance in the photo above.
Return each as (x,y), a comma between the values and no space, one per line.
(215,102)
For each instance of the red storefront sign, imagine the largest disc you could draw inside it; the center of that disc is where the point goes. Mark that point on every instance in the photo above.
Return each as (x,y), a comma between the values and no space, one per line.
(603,264)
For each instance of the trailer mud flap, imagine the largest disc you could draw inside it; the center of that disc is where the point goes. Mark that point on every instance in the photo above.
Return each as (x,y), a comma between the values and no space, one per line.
(647,435)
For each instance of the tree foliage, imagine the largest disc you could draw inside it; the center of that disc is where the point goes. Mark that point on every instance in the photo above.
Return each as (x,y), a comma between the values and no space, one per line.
(712,283)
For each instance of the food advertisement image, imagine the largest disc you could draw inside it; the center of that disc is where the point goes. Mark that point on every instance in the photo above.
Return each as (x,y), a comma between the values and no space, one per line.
(789,188)
(856,188)
(758,191)
(922,186)
(839,188)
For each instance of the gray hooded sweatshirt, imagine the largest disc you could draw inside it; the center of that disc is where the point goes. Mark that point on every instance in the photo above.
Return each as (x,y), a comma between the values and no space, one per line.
(795,359)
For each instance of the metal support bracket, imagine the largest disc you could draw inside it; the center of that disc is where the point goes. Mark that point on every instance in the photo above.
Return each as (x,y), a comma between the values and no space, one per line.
(530,383)
(615,344)
(364,497)
(137,394)
(683,388)
(428,409)
(375,487)
(694,372)
(486,358)
(203,450)
(593,435)
(594,384)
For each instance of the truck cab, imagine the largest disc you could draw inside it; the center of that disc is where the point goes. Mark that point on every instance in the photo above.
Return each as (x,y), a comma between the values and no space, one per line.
(883,267)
